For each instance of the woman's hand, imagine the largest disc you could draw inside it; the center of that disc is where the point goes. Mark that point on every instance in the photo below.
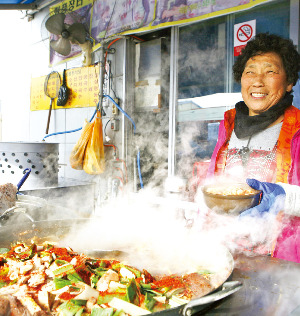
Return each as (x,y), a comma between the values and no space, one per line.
(273,197)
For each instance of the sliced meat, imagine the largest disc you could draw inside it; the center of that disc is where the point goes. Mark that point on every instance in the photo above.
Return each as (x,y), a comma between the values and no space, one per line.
(8,193)
(14,307)
(197,284)
(103,283)
(42,313)
(4,306)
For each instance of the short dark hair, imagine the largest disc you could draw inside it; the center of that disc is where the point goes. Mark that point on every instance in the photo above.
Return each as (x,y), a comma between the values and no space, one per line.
(265,43)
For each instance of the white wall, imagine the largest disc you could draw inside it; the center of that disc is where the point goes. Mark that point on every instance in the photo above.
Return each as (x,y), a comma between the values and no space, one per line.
(15,61)
(25,55)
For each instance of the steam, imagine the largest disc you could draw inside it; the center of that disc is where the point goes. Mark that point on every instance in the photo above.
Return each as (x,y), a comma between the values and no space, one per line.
(154,235)
(248,235)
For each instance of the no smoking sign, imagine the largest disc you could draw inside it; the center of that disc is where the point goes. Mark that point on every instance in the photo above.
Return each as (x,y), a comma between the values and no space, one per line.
(243,32)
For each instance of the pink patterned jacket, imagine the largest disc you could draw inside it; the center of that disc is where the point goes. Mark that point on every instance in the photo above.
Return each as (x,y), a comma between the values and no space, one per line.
(288,242)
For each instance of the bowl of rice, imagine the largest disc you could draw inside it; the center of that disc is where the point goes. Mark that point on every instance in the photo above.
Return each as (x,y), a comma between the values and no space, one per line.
(230,198)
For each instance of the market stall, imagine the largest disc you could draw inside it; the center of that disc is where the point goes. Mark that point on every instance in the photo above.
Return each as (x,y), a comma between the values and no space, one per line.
(118,127)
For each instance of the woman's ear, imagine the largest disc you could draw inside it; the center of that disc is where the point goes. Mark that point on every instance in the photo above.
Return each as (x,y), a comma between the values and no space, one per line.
(289,87)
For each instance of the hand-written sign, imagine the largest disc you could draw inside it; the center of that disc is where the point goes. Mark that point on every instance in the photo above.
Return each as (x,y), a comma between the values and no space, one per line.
(69,6)
(83,85)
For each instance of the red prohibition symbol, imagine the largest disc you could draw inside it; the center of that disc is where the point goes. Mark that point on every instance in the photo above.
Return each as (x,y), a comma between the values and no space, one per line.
(244,33)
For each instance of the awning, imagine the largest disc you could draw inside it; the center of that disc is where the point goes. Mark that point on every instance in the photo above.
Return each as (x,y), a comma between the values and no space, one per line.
(17,4)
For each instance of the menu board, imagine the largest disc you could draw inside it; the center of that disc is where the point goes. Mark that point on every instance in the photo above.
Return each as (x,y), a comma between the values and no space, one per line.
(83,84)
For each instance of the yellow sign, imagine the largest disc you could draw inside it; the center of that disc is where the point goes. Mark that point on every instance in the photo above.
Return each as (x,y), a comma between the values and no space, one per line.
(83,85)
(69,6)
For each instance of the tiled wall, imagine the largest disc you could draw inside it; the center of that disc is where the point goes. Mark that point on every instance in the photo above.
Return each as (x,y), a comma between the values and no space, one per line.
(30,58)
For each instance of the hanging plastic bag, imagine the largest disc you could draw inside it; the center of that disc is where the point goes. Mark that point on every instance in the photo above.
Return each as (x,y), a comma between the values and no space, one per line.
(94,162)
(78,152)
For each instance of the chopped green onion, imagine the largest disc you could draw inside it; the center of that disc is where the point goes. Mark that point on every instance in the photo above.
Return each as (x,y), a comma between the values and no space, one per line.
(60,283)
(63,270)
(149,301)
(128,308)
(60,262)
(4,250)
(74,277)
(119,312)
(70,309)
(177,301)
(98,311)
(131,292)
(204,271)
(78,302)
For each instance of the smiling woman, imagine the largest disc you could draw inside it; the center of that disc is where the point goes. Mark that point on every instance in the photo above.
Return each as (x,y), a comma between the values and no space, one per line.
(253,138)
(260,137)
(264,82)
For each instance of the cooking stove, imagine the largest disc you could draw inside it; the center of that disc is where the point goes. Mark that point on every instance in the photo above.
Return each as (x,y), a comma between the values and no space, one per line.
(40,157)
(270,287)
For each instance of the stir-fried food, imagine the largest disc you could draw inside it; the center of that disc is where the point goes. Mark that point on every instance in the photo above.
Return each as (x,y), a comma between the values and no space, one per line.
(49,280)
(231,190)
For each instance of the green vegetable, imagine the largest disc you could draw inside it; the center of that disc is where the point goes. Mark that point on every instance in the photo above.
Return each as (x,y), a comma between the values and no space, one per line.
(74,277)
(59,262)
(63,270)
(136,272)
(60,283)
(43,254)
(117,266)
(4,271)
(78,302)
(48,246)
(128,308)
(23,252)
(102,299)
(204,271)
(4,250)
(146,286)
(149,290)
(120,290)
(177,301)
(119,312)
(102,264)
(75,288)
(100,271)
(131,292)
(96,311)
(70,309)
(94,280)
(149,301)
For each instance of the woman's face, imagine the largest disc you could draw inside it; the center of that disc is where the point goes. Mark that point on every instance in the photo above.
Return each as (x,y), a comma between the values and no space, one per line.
(264,82)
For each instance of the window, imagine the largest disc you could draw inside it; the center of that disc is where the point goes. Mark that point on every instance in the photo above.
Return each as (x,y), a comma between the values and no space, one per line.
(205,84)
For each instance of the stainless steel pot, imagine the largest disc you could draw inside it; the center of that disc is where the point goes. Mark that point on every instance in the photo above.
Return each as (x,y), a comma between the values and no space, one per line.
(55,230)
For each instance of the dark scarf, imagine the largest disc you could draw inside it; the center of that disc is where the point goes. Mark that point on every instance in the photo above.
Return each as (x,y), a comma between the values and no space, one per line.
(246,126)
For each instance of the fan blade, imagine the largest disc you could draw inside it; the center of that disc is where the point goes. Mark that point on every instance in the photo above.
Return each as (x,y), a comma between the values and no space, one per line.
(77,33)
(55,24)
(62,46)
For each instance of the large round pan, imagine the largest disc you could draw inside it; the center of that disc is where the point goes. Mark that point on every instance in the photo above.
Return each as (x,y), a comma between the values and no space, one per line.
(58,230)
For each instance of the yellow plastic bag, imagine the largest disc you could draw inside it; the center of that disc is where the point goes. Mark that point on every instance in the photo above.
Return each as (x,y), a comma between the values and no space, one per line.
(77,153)
(94,162)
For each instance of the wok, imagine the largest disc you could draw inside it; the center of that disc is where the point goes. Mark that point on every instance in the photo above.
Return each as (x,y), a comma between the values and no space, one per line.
(56,230)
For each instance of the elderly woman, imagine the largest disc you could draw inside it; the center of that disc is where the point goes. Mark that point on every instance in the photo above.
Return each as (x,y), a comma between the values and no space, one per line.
(260,138)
